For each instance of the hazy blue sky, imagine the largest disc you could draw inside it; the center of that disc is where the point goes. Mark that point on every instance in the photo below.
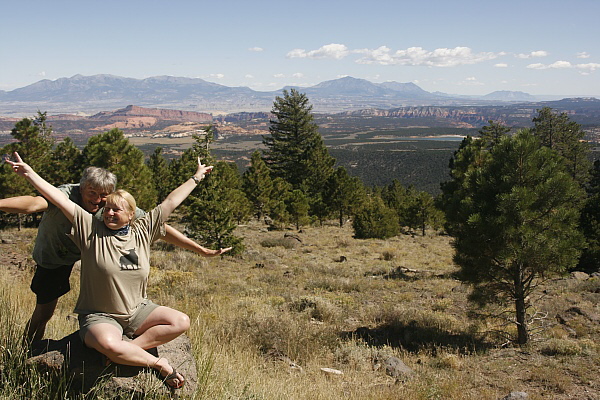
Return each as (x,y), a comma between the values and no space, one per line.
(460,47)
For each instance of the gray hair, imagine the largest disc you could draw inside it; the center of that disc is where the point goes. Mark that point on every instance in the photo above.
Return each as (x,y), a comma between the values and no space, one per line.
(98,178)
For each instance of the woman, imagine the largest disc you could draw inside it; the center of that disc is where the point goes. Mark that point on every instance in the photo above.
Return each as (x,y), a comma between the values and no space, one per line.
(114,274)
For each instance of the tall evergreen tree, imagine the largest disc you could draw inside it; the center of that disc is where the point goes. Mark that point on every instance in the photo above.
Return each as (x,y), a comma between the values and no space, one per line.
(344,194)
(112,151)
(514,220)
(492,133)
(210,216)
(161,174)
(258,185)
(558,132)
(590,223)
(295,149)
(298,207)
(279,199)
(420,211)
(34,143)
(65,163)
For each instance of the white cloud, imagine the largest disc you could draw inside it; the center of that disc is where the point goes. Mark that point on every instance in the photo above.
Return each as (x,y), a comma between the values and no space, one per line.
(533,54)
(413,56)
(249,76)
(42,74)
(583,54)
(561,65)
(333,50)
(590,67)
(342,76)
(216,76)
(417,56)
(554,65)
(583,68)
(501,65)
(256,49)
(279,76)
(536,66)
(298,75)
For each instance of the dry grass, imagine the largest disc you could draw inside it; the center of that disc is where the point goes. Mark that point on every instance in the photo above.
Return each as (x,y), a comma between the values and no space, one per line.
(265,323)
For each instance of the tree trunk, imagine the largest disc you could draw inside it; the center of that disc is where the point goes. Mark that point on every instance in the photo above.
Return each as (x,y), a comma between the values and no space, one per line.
(521,311)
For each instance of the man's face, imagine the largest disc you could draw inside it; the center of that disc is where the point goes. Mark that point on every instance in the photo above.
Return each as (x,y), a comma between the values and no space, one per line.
(93,198)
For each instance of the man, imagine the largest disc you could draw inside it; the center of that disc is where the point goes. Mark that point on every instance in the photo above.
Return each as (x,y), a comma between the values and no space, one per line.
(55,253)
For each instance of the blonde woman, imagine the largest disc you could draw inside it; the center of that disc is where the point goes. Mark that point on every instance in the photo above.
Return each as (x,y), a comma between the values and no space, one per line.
(114,274)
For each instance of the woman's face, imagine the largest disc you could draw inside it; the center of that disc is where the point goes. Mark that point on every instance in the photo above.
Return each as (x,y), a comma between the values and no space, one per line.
(117,216)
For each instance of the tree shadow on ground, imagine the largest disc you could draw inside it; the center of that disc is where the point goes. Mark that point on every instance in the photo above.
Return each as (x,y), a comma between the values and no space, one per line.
(411,337)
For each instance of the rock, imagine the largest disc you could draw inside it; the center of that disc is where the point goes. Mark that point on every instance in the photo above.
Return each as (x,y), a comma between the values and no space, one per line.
(579,275)
(395,368)
(331,371)
(87,367)
(595,275)
(516,396)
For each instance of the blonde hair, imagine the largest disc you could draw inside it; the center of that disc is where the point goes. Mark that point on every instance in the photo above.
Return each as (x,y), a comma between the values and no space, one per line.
(119,196)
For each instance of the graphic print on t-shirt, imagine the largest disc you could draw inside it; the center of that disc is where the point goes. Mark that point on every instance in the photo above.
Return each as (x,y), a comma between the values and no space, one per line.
(130,261)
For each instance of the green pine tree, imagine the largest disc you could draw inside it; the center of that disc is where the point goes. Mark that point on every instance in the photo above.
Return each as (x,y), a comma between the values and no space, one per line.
(258,185)
(210,214)
(514,220)
(375,220)
(295,149)
(112,151)
(558,132)
(161,174)
(344,194)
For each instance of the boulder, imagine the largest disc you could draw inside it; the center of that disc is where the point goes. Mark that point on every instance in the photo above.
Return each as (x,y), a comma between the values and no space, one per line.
(396,368)
(87,369)
(579,275)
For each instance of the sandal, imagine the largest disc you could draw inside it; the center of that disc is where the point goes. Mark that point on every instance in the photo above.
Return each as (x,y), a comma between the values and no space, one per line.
(172,377)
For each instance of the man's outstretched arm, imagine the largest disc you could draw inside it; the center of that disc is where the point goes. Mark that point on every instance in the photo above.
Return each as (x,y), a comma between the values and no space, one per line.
(178,239)
(23,204)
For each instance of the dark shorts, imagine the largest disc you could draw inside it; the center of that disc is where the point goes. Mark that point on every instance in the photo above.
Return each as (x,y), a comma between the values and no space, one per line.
(50,284)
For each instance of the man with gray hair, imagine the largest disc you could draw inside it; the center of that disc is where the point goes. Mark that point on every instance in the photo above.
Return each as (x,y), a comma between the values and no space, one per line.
(55,253)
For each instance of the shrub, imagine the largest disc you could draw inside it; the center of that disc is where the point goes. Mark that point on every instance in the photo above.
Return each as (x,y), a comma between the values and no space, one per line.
(375,220)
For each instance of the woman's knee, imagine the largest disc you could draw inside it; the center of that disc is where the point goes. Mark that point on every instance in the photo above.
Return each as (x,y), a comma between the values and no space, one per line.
(104,342)
(182,322)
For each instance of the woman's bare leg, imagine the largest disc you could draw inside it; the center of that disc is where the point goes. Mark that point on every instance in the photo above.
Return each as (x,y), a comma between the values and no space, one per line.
(108,340)
(162,325)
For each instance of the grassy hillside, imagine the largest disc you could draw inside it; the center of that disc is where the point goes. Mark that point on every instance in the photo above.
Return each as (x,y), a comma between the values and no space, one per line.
(264,324)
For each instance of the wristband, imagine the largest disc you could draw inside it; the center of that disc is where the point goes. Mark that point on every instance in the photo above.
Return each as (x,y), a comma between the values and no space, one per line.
(195,179)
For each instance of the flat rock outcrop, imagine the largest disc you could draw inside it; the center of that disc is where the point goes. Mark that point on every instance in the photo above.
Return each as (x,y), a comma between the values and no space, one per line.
(86,368)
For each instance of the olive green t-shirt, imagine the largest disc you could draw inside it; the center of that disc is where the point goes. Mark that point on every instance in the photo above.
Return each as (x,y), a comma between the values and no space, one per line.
(53,248)
(114,268)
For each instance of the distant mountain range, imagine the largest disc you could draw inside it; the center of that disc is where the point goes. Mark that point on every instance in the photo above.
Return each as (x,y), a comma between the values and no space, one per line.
(91,94)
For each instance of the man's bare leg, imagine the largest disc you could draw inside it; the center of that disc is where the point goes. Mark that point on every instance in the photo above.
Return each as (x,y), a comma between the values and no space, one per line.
(36,326)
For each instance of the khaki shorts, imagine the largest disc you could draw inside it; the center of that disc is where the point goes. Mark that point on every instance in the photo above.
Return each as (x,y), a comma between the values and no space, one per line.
(127,325)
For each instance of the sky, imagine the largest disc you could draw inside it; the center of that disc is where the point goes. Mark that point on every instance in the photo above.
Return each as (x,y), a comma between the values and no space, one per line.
(541,47)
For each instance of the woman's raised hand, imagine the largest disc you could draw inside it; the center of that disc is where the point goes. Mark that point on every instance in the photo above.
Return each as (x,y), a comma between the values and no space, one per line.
(202,170)
(19,166)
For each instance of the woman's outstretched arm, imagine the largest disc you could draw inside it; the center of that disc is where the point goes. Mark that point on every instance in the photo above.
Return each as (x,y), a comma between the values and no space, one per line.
(50,192)
(177,196)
